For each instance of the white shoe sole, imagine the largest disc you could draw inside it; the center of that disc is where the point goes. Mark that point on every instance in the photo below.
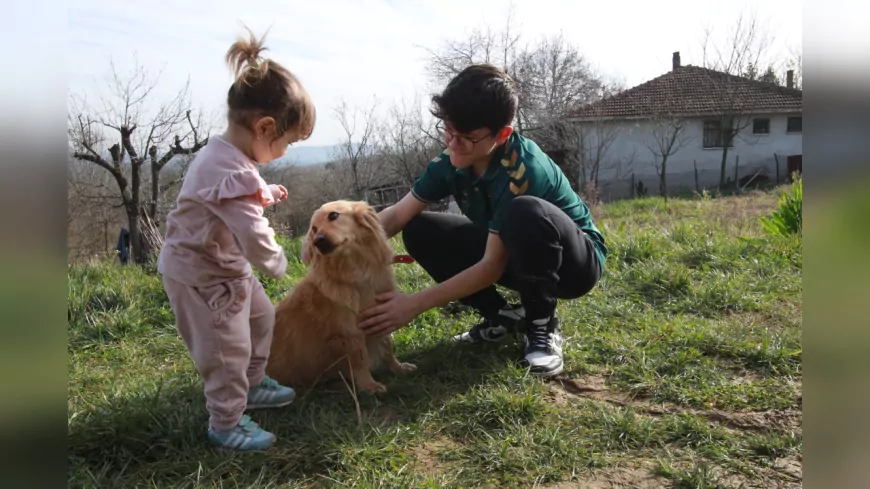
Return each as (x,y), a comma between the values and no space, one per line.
(551,373)
(271,406)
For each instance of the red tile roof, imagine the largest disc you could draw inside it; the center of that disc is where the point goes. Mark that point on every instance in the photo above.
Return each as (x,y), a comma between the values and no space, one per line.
(692,90)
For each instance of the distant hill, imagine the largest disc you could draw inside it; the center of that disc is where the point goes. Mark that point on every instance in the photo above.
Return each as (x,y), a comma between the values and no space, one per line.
(302,155)
(309,155)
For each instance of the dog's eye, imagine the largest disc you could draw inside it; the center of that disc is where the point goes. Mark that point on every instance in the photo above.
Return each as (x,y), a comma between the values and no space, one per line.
(313,229)
(332,216)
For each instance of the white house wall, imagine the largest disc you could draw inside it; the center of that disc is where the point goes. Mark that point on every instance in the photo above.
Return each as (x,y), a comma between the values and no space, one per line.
(629,154)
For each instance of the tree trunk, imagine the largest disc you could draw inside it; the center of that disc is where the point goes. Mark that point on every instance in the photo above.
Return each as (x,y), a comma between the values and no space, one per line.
(663,179)
(135,239)
(133,212)
(354,168)
(722,167)
(155,192)
(736,167)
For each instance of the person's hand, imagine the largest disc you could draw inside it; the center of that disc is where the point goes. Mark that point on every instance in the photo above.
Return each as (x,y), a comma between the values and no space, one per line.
(395,310)
(279,193)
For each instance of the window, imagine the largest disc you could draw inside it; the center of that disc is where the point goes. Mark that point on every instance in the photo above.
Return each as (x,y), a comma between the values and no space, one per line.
(715,136)
(761,126)
(795,125)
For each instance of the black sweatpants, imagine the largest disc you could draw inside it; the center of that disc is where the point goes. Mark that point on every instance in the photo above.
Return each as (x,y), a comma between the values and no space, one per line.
(549,257)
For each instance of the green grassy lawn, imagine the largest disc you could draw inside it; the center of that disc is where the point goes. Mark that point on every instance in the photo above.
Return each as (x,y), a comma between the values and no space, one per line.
(683,369)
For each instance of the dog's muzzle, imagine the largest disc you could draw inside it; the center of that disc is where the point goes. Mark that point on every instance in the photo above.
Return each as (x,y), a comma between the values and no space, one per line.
(322,243)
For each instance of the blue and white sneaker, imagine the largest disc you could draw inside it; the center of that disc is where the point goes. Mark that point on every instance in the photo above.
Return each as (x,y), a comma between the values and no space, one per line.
(270,394)
(244,437)
(494,329)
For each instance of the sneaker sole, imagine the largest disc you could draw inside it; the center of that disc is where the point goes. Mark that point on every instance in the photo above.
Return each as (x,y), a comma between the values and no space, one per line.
(543,373)
(271,406)
(551,373)
(463,341)
(224,449)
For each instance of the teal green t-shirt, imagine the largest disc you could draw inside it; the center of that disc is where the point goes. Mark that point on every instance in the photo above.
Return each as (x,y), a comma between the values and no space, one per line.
(519,167)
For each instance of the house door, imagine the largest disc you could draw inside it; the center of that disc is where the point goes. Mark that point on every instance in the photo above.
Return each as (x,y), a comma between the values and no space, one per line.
(795,164)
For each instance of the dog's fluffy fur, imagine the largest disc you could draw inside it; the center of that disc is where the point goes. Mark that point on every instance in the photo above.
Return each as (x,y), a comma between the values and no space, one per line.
(316,333)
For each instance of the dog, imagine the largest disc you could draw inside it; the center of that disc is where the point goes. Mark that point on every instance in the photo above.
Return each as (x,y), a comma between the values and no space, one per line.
(316,334)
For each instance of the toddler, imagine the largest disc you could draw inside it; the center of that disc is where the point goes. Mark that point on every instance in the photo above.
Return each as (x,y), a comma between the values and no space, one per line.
(217,232)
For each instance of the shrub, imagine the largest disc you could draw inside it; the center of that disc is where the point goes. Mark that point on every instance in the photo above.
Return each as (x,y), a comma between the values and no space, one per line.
(787,219)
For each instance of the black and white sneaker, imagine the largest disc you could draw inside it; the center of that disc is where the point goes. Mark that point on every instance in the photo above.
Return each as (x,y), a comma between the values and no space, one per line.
(494,329)
(544,348)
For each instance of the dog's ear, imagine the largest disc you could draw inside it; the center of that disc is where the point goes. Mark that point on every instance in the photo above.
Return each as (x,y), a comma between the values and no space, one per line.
(367,217)
(307,252)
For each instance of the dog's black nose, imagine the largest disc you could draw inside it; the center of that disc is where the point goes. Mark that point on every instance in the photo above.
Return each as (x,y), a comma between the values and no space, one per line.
(323,244)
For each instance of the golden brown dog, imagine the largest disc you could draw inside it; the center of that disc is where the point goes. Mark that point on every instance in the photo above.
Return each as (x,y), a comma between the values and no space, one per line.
(316,334)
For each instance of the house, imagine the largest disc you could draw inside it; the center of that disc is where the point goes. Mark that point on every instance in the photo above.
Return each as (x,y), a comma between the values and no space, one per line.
(390,191)
(680,115)
(386,193)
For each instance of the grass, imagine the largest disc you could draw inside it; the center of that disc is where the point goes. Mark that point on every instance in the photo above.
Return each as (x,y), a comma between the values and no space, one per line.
(683,370)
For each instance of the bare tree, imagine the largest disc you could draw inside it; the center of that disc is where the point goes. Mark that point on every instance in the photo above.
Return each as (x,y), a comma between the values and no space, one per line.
(89,188)
(667,136)
(585,144)
(552,76)
(746,46)
(593,141)
(553,79)
(483,45)
(794,62)
(139,135)
(408,141)
(359,146)
(196,134)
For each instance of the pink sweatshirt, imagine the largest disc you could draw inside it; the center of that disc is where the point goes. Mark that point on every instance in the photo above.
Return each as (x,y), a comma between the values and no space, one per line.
(217,230)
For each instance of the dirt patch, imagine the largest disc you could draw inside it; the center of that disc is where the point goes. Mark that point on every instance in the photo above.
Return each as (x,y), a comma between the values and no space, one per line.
(595,388)
(557,396)
(787,420)
(791,466)
(694,472)
(636,476)
(428,459)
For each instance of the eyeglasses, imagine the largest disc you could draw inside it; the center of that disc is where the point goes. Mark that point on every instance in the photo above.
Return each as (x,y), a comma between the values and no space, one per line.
(465,143)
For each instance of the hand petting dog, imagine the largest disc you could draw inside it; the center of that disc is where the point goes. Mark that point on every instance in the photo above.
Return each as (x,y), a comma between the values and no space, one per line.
(394,310)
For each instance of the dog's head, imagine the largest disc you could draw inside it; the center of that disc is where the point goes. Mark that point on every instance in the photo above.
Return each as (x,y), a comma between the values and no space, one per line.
(343,225)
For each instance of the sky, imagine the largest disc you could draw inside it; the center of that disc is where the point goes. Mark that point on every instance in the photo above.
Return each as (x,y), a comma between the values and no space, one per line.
(356,50)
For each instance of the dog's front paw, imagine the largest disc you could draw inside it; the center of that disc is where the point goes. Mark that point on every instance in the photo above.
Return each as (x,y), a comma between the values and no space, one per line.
(407,368)
(374,388)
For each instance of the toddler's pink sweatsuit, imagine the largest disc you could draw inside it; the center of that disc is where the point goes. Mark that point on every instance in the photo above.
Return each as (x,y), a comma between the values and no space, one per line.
(214,235)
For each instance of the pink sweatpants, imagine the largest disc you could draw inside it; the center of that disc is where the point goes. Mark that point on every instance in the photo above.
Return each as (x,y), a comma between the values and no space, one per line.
(228,330)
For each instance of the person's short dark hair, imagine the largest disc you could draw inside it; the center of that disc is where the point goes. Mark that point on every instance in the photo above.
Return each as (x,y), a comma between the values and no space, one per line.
(481,95)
